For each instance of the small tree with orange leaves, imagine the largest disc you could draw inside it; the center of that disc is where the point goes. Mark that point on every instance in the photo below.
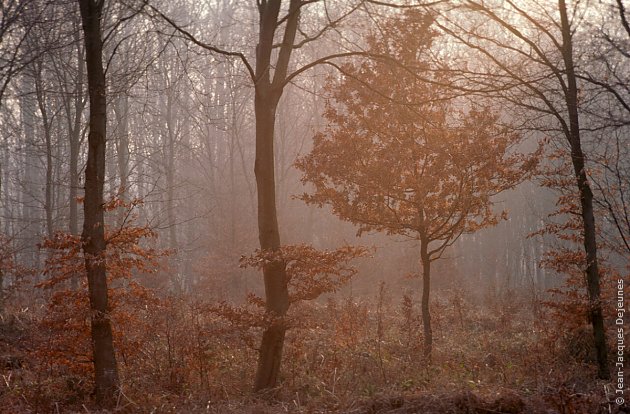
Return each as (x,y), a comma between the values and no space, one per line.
(310,273)
(570,303)
(66,326)
(399,157)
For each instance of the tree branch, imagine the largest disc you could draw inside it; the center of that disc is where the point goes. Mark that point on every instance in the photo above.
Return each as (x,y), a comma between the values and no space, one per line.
(204,45)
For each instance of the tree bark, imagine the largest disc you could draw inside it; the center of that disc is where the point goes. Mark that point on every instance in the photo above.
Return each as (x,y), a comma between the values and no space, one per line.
(93,237)
(267,96)
(586,198)
(276,290)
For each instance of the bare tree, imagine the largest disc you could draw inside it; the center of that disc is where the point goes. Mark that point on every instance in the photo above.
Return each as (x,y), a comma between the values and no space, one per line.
(280,33)
(93,237)
(535,70)
(46,118)
(607,72)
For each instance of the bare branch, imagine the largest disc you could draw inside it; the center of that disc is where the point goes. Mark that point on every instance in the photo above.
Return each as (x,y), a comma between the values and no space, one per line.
(206,46)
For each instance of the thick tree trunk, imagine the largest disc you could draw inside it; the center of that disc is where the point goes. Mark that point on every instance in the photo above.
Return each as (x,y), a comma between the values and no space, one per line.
(276,290)
(93,237)
(267,96)
(586,199)
(426,291)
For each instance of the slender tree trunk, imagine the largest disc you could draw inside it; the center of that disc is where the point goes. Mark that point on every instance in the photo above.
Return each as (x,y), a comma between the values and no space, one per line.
(586,199)
(41,102)
(75,139)
(171,213)
(122,151)
(30,212)
(170,172)
(74,104)
(93,237)
(236,277)
(425,260)
(49,206)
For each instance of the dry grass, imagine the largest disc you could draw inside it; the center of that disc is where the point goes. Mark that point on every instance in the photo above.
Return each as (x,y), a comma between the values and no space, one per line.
(349,356)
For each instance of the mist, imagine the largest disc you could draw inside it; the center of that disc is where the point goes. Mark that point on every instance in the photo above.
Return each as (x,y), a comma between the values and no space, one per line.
(313,206)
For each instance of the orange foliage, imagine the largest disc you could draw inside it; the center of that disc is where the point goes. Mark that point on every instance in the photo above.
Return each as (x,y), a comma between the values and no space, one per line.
(569,302)
(310,272)
(67,323)
(400,156)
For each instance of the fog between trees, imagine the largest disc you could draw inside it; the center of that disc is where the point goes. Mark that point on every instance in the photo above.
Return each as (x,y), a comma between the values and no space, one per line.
(247,164)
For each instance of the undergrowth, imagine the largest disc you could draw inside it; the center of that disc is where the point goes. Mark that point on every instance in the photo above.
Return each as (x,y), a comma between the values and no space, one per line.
(348,355)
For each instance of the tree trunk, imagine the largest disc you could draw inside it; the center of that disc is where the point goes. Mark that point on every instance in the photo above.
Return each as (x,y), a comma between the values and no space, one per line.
(93,237)
(171,212)
(169,153)
(426,290)
(75,143)
(276,290)
(267,96)
(586,199)
(30,211)
(41,102)
(121,109)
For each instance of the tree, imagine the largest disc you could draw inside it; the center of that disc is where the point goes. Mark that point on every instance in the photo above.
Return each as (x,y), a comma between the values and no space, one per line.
(46,118)
(93,236)
(527,58)
(279,37)
(606,69)
(73,105)
(399,157)
(126,257)
(311,273)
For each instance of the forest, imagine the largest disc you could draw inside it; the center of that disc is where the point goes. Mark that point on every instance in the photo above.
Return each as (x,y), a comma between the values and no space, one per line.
(314,206)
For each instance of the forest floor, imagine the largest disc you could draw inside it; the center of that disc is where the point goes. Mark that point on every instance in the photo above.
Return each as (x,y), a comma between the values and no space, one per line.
(348,356)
